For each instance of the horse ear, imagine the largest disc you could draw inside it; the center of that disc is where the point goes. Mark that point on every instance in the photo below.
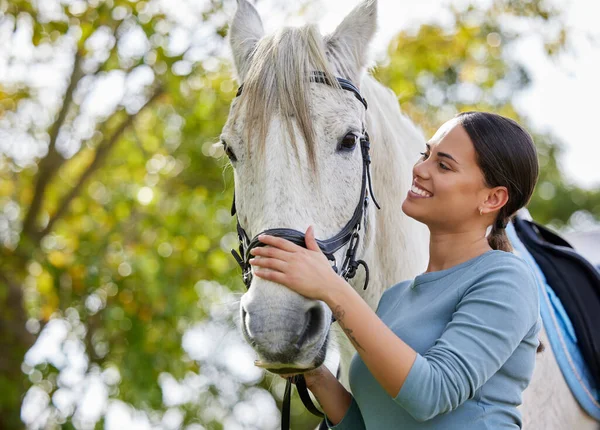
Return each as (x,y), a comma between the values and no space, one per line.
(350,40)
(245,31)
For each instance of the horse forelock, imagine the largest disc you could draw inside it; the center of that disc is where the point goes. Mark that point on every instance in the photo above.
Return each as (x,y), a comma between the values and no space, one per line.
(277,84)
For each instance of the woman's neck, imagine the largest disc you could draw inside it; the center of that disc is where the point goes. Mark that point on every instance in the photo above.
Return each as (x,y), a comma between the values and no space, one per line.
(448,249)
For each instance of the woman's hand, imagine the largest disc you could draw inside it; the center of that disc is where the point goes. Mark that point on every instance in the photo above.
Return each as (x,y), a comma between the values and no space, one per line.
(306,271)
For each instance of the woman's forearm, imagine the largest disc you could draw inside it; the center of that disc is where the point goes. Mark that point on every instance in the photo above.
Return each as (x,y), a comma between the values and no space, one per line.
(331,394)
(386,356)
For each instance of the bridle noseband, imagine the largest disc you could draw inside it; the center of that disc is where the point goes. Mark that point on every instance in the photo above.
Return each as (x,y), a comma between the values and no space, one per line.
(349,234)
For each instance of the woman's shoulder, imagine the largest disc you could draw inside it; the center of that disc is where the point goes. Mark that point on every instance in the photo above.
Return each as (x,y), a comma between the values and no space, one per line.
(503,276)
(503,264)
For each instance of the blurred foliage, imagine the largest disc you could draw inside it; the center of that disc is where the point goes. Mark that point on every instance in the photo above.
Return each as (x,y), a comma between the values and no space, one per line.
(117,226)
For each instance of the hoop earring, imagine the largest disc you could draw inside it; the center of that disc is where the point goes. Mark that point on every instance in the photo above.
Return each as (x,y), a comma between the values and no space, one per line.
(480,211)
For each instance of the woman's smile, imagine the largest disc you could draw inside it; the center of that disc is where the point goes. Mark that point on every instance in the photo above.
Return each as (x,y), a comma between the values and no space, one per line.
(418,192)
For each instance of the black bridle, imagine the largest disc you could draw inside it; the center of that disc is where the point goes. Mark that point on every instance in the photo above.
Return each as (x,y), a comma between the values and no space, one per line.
(349,234)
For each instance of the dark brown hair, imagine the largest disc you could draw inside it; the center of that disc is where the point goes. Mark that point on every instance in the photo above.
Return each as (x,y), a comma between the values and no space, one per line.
(507,157)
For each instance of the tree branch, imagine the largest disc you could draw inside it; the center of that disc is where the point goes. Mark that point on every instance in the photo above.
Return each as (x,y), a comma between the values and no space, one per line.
(52,161)
(101,154)
(14,302)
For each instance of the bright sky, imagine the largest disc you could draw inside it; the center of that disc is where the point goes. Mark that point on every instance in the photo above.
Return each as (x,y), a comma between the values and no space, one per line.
(563,97)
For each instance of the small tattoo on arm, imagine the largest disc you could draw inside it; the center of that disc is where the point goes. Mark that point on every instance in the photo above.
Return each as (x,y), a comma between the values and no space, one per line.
(339,313)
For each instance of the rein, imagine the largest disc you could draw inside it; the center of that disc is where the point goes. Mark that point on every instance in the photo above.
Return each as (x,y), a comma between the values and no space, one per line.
(348,235)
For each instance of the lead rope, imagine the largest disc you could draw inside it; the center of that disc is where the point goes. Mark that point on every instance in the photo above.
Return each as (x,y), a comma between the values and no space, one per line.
(285,409)
(304,396)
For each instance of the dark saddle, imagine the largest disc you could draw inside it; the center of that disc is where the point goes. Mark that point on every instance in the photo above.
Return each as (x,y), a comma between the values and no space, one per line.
(575,281)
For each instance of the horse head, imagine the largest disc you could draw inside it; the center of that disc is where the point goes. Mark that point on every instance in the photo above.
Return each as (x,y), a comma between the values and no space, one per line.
(294,145)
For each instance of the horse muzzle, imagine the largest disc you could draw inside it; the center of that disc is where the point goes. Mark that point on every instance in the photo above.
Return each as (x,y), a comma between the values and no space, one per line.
(293,337)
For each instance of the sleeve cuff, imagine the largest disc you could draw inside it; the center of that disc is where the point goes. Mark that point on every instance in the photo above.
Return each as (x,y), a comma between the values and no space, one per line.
(352,420)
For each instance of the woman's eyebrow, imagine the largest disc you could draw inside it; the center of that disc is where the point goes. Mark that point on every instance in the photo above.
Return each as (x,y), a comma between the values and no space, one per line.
(442,154)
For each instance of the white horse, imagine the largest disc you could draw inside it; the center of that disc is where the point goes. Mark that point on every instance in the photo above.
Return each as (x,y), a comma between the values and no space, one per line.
(290,144)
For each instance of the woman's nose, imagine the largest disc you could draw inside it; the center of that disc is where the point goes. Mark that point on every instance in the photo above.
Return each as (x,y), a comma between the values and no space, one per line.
(421,169)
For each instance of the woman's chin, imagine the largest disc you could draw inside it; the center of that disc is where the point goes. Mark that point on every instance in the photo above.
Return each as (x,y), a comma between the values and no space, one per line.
(409,209)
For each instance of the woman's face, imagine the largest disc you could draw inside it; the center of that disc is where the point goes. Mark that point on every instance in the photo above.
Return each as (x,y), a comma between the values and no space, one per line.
(448,186)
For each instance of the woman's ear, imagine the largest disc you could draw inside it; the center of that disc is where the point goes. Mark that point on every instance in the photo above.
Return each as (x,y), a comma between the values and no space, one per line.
(497,197)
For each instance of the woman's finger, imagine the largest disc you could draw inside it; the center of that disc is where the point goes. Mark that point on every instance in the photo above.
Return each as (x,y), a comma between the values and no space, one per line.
(271,275)
(269,263)
(271,252)
(309,239)
(279,242)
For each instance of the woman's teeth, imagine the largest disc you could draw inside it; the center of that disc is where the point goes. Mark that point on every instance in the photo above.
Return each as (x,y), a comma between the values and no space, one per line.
(419,191)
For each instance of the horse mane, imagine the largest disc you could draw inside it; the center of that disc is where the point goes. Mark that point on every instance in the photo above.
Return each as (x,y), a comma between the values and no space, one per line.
(277,84)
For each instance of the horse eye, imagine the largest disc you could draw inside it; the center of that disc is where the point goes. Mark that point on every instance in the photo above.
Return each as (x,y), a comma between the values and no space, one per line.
(228,151)
(348,142)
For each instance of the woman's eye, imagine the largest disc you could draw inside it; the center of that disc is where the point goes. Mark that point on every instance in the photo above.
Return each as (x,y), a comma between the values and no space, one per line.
(443,166)
(228,151)
(424,154)
(348,142)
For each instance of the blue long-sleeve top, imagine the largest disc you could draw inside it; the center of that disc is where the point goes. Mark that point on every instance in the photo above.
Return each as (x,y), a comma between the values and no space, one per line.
(474,327)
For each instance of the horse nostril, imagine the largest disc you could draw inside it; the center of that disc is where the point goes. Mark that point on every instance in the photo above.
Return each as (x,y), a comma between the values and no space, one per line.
(314,318)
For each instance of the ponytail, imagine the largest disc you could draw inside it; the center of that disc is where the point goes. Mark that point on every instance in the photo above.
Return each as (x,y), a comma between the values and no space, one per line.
(497,238)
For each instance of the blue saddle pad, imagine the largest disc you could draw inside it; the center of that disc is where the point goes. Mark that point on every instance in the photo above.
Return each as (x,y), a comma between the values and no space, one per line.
(561,336)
